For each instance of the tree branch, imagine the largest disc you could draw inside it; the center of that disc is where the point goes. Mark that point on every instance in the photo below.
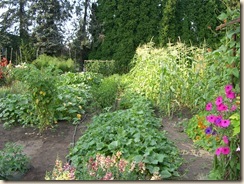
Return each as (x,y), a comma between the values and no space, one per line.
(227,24)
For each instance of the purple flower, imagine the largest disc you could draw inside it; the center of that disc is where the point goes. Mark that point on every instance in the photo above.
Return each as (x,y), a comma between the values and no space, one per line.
(208,130)
(214,132)
(217,121)
(219,100)
(228,88)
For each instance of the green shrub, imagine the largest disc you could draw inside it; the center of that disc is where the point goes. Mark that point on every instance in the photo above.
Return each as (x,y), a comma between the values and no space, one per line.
(105,94)
(71,101)
(17,109)
(105,68)
(12,160)
(41,85)
(135,133)
(44,61)
(87,78)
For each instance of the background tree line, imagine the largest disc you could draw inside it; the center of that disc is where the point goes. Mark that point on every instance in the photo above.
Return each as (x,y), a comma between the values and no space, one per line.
(105,29)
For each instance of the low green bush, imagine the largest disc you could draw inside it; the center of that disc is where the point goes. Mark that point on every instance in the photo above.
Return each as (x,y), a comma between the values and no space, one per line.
(105,68)
(134,132)
(17,109)
(12,161)
(44,61)
(105,94)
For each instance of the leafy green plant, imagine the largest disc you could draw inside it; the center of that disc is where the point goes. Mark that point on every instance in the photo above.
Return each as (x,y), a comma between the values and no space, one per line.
(41,85)
(71,101)
(135,133)
(59,63)
(195,129)
(105,94)
(105,68)
(12,160)
(17,109)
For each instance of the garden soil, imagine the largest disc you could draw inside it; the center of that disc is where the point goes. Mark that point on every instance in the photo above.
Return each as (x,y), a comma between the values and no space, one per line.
(43,149)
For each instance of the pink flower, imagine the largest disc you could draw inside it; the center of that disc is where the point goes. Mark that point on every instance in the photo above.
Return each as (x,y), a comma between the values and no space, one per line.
(218,151)
(219,100)
(225,139)
(230,94)
(225,150)
(233,108)
(211,118)
(228,88)
(209,106)
(225,123)
(222,107)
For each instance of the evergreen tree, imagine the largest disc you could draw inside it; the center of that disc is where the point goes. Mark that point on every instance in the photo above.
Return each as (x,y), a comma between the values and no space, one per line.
(168,23)
(15,14)
(123,25)
(49,16)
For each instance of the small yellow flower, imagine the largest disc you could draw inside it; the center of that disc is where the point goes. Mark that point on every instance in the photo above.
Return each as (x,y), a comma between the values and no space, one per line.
(80,107)
(79,116)
(197,137)
(37,101)
(41,92)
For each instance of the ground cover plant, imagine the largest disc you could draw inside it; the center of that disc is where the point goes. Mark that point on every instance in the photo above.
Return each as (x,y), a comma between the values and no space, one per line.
(134,132)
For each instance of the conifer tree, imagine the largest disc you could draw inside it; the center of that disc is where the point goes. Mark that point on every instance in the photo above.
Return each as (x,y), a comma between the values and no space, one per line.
(49,16)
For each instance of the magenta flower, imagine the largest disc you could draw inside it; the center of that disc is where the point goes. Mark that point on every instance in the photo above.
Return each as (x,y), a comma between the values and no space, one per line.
(222,107)
(218,151)
(225,150)
(219,100)
(230,94)
(233,108)
(209,106)
(225,139)
(225,123)
(228,88)
(211,118)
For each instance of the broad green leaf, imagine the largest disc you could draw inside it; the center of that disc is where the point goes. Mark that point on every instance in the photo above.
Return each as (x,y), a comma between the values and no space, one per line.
(165,174)
(138,158)
(113,145)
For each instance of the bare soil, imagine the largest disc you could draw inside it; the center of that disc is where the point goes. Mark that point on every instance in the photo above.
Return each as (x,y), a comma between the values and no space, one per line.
(43,149)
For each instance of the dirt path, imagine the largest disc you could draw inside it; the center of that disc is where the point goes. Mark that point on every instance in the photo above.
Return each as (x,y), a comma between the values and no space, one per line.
(197,162)
(44,149)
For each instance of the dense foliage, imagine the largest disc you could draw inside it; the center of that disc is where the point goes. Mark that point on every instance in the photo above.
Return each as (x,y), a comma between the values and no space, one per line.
(12,161)
(134,132)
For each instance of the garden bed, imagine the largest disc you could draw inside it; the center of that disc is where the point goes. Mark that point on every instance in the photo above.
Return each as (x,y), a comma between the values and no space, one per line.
(43,149)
